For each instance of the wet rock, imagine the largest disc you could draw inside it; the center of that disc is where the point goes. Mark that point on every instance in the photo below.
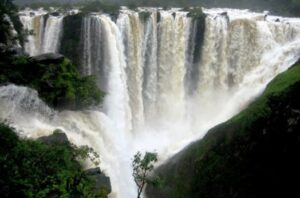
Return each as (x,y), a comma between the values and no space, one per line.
(48,58)
(224,14)
(55,14)
(101,180)
(93,171)
(58,137)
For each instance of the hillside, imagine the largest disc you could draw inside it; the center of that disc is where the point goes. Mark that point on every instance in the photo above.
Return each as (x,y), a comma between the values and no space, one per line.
(251,155)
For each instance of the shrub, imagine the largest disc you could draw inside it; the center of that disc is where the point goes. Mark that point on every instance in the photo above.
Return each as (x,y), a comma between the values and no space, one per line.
(34,169)
(58,83)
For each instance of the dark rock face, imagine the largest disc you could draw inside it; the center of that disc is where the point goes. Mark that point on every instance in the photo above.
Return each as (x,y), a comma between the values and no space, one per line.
(102,181)
(71,41)
(55,14)
(58,137)
(93,171)
(224,14)
(48,58)
(252,155)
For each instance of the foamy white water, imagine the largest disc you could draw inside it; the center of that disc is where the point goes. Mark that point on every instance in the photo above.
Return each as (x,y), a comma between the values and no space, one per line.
(46,34)
(144,66)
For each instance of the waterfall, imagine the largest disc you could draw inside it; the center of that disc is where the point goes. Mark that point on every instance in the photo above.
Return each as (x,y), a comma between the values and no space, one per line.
(149,55)
(173,37)
(132,30)
(45,31)
(165,86)
(52,34)
(33,23)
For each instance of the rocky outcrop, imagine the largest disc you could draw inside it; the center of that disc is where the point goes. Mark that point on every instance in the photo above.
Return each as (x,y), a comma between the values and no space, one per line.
(48,58)
(102,181)
(252,155)
(58,137)
(55,14)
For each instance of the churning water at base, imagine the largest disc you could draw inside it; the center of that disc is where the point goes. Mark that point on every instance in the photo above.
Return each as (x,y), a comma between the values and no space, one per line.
(162,91)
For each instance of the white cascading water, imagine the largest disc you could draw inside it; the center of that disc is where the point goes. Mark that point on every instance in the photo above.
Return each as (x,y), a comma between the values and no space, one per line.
(46,34)
(52,34)
(145,65)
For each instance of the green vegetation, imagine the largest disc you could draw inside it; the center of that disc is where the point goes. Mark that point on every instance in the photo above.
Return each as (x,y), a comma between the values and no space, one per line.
(251,155)
(144,16)
(275,90)
(195,13)
(111,8)
(142,168)
(34,169)
(7,8)
(47,6)
(71,37)
(57,82)
(98,6)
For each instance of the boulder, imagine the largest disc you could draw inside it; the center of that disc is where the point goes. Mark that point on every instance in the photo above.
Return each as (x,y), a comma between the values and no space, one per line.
(101,180)
(48,58)
(224,14)
(58,137)
(55,14)
(93,171)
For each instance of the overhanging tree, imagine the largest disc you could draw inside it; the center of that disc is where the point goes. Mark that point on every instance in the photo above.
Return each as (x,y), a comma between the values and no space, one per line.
(142,168)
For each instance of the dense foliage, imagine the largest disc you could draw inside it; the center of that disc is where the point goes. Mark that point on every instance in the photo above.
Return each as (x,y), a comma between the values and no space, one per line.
(252,155)
(142,169)
(97,5)
(9,12)
(34,169)
(71,38)
(58,83)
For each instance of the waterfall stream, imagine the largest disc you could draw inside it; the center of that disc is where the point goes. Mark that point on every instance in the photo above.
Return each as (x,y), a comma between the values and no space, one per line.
(147,68)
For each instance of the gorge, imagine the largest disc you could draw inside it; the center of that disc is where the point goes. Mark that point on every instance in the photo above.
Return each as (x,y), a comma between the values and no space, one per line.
(168,78)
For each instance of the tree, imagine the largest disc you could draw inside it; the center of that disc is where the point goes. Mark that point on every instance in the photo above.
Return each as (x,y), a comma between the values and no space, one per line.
(44,167)
(142,167)
(9,20)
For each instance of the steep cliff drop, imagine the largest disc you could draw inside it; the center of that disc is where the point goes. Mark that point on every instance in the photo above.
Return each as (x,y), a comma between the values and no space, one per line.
(163,89)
